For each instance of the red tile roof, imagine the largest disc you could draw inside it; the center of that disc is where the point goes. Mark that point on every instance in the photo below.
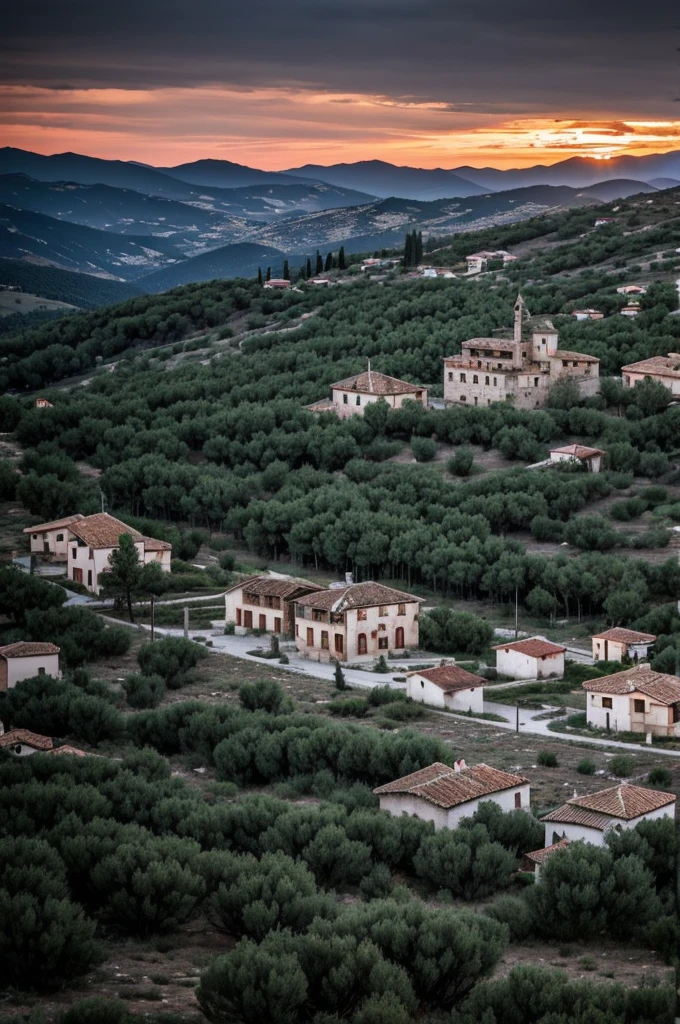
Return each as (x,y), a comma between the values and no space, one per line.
(541,856)
(534,647)
(625,636)
(582,357)
(356,595)
(26,649)
(104,531)
(66,749)
(640,679)
(43,527)
(449,678)
(31,739)
(664,366)
(372,383)
(568,815)
(624,801)
(579,451)
(446,787)
(152,544)
(272,586)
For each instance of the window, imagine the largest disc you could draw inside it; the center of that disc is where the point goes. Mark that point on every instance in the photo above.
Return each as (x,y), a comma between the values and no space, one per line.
(565,362)
(518,800)
(401,609)
(383,610)
(475,379)
(382,643)
(627,381)
(248,620)
(450,376)
(639,707)
(358,400)
(344,399)
(463,378)
(494,381)
(60,536)
(41,670)
(89,577)
(486,380)
(35,536)
(91,554)
(238,616)
(338,643)
(277,625)
(361,614)
(476,400)
(262,622)
(607,702)
(74,552)
(574,364)
(310,637)
(361,643)
(77,575)
(399,638)
(536,382)
(324,639)
(463,398)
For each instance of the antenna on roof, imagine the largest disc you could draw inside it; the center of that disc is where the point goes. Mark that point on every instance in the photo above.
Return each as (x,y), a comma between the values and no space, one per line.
(370,382)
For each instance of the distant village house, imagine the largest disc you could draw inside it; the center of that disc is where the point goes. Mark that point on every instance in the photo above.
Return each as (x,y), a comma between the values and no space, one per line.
(590,818)
(447,686)
(635,700)
(93,539)
(351,396)
(662,369)
(23,742)
(533,658)
(52,538)
(266,603)
(589,458)
(25,659)
(587,314)
(42,403)
(618,643)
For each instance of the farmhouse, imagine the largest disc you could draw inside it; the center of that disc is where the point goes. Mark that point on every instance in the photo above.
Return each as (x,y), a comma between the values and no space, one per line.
(447,686)
(277,282)
(518,369)
(351,396)
(631,289)
(444,795)
(22,742)
(662,369)
(23,660)
(43,403)
(587,314)
(632,310)
(534,658)
(266,602)
(478,261)
(356,622)
(589,458)
(52,538)
(93,539)
(635,700)
(617,644)
(590,817)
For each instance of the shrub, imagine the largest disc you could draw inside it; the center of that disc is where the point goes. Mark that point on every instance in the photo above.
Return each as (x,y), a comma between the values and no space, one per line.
(517,831)
(513,911)
(585,766)
(461,462)
(264,695)
(423,448)
(660,777)
(547,759)
(172,659)
(143,691)
(404,711)
(227,561)
(464,862)
(96,1010)
(385,695)
(381,665)
(353,707)
(622,766)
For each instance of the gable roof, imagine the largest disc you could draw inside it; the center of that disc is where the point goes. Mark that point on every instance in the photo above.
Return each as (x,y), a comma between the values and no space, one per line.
(67,749)
(102,530)
(356,595)
(541,856)
(31,739)
(152,544)
(26,649)
(447,787)
(534,647)
(449,678)
(624,801)
(372,383)
(568,815)
(664,366)
(578,451)
(640,679)
(273,586)
(44,527)
(583,357)
(625,636)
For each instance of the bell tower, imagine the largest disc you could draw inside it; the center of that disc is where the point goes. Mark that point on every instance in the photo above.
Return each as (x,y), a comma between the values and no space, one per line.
(520,313)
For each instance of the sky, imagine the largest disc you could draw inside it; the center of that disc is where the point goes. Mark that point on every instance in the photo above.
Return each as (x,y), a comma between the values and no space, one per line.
(431,83)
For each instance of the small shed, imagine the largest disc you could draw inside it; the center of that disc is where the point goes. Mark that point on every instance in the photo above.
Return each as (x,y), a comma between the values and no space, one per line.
(618,643)
(591,458)
(535,860)
(447,686)
(23,660)
(22,742)
(534,658)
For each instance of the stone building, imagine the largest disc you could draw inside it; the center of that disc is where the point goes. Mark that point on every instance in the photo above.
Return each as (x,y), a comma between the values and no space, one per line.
(266,603)
(350,397)
(521,370)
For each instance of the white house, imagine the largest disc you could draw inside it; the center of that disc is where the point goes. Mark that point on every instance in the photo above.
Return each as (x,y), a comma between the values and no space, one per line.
(447,686)
(444,795)
(23,660)
(536,860)
(587,314)
(631,289)
(636,700)
(266,602)
(277,282)
(52,538)
(632,310)
(662,369)
(350,397)
(93,539)
(591,458)
(618,643)
(590,817)
(534,658)
(356,622)
(22,742)
(43,403)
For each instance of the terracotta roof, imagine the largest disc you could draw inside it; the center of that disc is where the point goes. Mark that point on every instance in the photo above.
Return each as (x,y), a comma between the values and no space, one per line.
(568,815)
(625,636)
(534,647)
(373,383)
(445,787)
(31,739)
(271,586)
(323,405)
(102,530)
(541,856)
(356,595)
(26,649)
(498,343)
(624,801)
(561,353)
(42,527)
(665,366)
(152,544)
(579,451)
(66,749)
(641,679)
(449,678)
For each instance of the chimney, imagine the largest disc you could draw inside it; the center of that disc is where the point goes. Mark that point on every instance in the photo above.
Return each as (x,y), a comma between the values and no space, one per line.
(349,579)
(459,765)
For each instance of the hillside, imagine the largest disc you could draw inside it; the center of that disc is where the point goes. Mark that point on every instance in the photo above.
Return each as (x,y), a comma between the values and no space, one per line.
(226,174)
(239,260)
(83,290)
(386,180)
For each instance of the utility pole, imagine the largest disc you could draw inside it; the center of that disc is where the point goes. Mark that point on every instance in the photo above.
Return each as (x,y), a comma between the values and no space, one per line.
(516,611)
(153,618)
(186,621)
(517,718)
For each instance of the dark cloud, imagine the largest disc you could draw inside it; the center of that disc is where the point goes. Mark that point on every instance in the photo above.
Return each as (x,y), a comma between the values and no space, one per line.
(481,55)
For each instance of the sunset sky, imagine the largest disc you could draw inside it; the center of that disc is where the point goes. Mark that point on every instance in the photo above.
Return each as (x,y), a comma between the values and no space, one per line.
(425,82)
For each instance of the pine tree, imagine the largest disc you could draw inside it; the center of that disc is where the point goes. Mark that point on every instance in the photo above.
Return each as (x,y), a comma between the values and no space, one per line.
(259,276)
(308,268)
(319,263)
(286,271)
(329,262)
(269,273)
(341,259)
(124,576)
(408,250)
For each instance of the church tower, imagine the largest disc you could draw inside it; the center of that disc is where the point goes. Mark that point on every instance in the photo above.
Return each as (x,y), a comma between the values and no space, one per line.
(520,314)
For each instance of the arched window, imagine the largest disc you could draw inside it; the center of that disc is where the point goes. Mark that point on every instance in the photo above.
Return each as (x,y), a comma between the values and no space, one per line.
(361,643)
(399,638)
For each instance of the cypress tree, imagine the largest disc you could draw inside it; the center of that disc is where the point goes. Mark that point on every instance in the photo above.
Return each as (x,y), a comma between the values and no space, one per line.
(329,262)
(308,269)
(269,273)
(286,271)
(319,263)
(341,259)
(408,250)
(259,276)
(419,247)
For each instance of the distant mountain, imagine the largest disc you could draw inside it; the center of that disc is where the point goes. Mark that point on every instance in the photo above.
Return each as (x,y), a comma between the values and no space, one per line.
(577,172)
(384,223)
(662,183)
(241,260)
(39,239)
(225,174)
(271,202)
(82,290)
(619,188)
(386,180)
